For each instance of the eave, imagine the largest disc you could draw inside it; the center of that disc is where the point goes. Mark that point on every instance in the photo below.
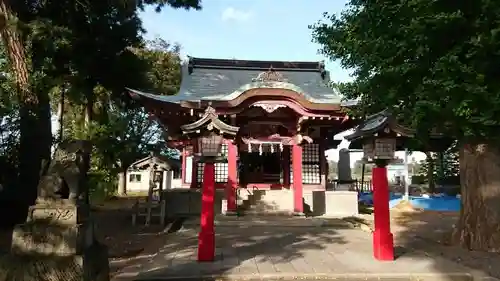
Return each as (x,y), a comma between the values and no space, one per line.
(209,121)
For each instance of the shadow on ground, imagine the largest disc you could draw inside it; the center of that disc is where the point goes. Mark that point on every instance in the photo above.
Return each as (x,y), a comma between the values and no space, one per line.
(430,232)
(276,247)
(171,252)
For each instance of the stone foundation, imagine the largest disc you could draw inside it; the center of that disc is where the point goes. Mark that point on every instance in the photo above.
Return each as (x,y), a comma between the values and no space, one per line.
(187,202)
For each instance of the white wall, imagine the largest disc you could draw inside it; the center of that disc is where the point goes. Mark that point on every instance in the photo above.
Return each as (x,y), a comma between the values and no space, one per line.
(394,171)
(143,185)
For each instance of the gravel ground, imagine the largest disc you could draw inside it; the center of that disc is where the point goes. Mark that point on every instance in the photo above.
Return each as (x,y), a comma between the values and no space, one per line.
(430,231)
(126,243)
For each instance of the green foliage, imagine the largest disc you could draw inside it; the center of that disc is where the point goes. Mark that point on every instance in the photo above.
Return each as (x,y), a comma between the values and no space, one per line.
(90,49)
(123,134)
(418,179)
(9,125)
(445,167)
(434,63)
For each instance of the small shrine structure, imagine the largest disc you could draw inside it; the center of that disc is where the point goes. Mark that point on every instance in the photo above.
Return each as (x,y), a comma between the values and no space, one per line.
(380,136)
(277,119)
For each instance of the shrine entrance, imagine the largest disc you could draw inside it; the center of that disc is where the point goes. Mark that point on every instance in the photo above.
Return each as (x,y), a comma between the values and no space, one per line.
(260,168)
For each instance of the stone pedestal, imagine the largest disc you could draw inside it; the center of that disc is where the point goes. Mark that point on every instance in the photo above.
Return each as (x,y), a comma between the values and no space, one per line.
(341,203)
(57,241)
(60,228)
(59,237)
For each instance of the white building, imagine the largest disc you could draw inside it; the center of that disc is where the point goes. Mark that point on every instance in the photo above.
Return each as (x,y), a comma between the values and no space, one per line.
(137,178)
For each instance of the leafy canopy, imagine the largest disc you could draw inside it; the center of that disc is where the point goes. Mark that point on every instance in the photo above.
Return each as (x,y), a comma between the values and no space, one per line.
(435,62)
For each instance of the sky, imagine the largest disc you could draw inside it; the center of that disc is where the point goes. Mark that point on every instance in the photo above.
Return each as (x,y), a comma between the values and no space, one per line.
(251,30)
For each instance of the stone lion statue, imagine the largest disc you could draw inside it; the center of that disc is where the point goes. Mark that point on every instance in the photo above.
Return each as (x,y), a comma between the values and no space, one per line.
(65,174)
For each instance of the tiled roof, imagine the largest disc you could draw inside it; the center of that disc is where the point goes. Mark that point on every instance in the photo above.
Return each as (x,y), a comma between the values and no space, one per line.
(222,80)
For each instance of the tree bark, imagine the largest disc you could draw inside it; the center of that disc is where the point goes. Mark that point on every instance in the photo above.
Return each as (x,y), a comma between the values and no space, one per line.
(60,113)
(87,153)
(122,183)
(430,172)
(479,224)
(35,139)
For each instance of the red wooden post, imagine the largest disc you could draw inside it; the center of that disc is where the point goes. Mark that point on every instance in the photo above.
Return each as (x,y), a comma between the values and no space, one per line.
(298,207)
(383,244)
(232,174)
(206,237)
(183,170)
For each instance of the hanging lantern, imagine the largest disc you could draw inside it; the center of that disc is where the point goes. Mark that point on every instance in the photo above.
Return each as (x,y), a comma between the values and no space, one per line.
(379,148)
(210,146)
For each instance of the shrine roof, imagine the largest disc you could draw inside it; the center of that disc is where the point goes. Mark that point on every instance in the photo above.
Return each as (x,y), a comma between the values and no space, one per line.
(226,79)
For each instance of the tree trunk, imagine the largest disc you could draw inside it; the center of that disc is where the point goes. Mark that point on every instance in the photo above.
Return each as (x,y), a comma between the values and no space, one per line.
(87,153)
(60,113)
(479,224)
(122,183)
(430,172)
(35,140)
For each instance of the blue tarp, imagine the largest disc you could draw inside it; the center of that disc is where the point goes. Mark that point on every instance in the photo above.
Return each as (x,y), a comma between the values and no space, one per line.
(441,203)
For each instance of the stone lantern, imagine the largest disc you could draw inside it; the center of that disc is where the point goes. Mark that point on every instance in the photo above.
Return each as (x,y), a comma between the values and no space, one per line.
(210,147)
(379,148)
(378,136)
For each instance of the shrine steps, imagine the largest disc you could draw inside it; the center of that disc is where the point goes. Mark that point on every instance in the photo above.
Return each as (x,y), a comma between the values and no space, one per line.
(265,202)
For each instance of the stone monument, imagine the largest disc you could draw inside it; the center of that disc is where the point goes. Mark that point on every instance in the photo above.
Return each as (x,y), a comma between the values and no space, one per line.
(57,241)
(344,170)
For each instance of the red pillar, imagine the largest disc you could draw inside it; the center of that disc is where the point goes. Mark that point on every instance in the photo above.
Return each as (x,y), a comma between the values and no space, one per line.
(383,244)
(286,166)
(232,174)
(206,237)
(297,179)
(183,169)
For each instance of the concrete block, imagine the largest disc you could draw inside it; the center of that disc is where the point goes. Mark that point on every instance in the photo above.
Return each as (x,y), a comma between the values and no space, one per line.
(341,203)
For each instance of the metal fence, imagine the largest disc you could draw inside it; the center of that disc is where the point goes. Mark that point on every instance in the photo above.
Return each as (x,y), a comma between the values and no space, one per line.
(354,185)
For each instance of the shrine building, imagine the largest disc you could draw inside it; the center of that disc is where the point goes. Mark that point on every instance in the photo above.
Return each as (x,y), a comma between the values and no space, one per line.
(277,118)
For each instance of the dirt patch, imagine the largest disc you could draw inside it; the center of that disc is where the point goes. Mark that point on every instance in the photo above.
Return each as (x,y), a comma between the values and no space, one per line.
(125,242)
(405,206)
(430,231)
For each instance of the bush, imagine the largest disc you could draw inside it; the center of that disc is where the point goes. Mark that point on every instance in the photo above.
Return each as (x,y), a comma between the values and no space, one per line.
(102,186)
(451,180)
(418,179)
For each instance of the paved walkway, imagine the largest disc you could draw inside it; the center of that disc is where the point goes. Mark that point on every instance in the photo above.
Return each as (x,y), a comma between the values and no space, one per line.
(269,249)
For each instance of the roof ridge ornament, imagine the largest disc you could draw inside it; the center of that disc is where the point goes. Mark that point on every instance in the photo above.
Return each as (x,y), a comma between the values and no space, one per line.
(270,75)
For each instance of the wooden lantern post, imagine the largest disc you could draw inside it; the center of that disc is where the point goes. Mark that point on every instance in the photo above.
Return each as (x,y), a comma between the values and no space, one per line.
(210,150)
(381,151)
(378,135)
